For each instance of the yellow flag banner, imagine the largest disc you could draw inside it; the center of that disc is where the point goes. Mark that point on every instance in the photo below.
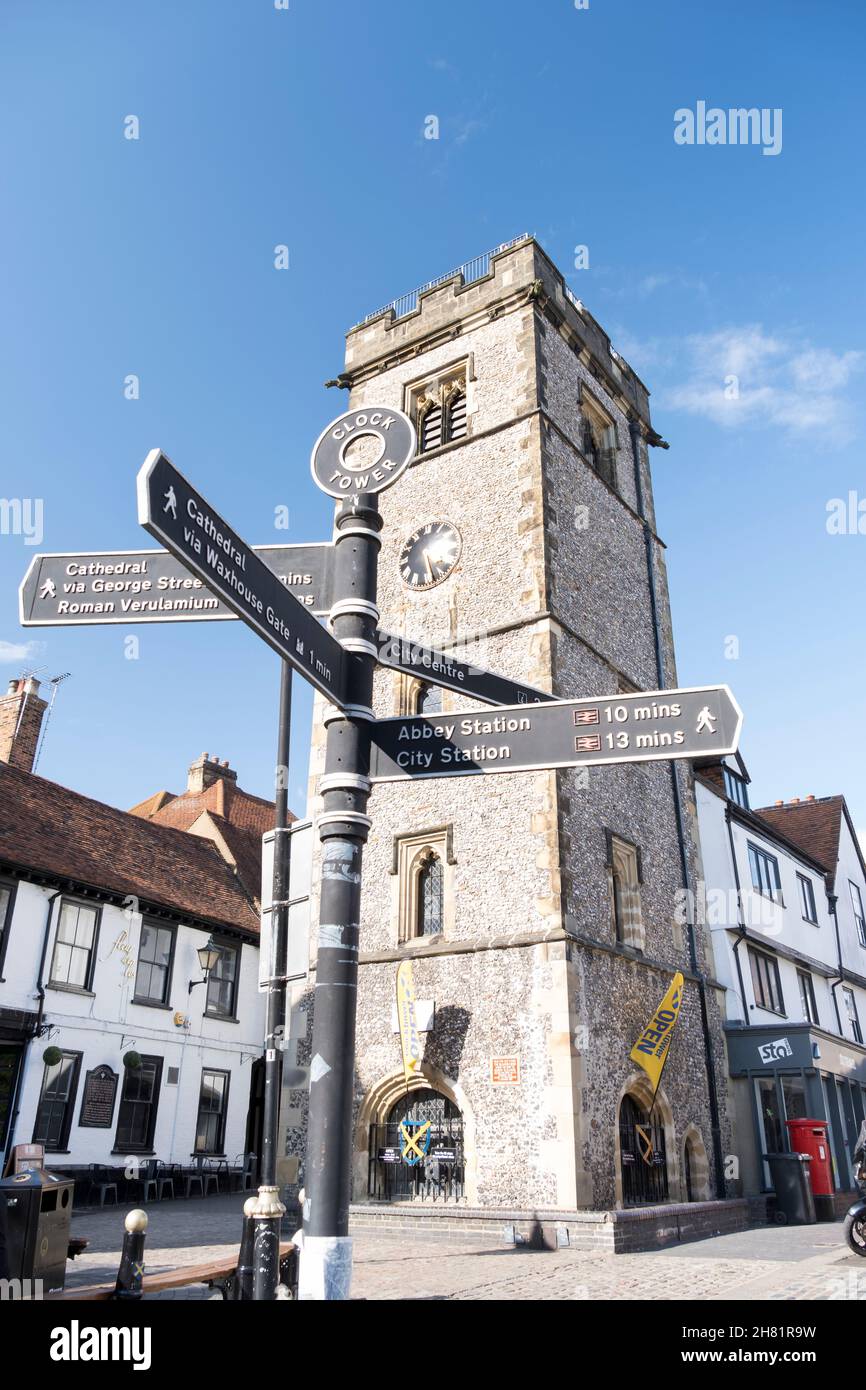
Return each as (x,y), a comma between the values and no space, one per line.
(410,1041)
(651,1049)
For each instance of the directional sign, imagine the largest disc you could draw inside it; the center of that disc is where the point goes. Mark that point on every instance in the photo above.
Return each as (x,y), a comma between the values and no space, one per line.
(151,586)
(637,728)
(438,667)
(173,512)
(344,466)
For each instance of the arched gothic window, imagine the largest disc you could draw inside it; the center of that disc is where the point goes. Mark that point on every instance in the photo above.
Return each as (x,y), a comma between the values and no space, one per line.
(440,410)
(624,869)
(598,442)
(431,896)
(455,413)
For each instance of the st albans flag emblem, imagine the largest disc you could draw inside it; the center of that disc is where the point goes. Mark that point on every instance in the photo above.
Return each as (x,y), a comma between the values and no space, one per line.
(651,1049)
(410,1041)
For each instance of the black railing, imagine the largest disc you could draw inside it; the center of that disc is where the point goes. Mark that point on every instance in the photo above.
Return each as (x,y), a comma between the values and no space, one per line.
(643,1156)
(435,1177)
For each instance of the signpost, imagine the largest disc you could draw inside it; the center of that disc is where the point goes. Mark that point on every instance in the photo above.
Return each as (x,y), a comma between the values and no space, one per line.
(646,727)
(438,667)
(152,586)
(209,572)
(171,510)
(344,467)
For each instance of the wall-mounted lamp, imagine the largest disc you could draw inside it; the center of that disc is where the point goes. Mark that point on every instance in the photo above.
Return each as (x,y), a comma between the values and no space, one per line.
(207,958)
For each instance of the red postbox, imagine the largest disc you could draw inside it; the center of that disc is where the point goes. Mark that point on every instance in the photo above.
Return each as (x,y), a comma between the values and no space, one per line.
(810,1137)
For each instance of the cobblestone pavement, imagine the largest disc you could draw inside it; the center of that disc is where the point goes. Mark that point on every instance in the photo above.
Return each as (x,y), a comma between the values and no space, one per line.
(766,1263)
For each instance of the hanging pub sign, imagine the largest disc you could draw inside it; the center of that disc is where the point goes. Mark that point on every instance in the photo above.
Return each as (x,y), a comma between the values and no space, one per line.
(363,451)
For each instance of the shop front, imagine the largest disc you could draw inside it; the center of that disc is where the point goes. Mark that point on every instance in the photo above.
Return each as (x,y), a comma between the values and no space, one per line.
(798,1072)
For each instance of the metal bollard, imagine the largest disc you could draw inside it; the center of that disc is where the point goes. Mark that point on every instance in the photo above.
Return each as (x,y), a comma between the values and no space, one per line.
(131,1271)
(242,1286)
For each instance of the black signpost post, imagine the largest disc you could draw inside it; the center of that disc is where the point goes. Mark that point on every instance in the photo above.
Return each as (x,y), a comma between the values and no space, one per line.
(326,1262)
(266,1246)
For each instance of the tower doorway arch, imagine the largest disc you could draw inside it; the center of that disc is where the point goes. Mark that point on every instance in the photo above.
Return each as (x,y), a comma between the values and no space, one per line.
(643,1154)
(375,1113)
(417,1152)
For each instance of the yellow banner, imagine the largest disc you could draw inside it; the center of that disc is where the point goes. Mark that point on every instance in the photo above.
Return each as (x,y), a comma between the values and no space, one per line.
(410,1041)
(651,1049)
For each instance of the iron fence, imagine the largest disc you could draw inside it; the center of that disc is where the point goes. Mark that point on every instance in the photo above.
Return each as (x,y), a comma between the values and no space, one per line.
(472,270)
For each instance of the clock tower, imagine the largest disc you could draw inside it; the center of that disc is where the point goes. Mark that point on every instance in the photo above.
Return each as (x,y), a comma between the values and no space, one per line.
(543,911)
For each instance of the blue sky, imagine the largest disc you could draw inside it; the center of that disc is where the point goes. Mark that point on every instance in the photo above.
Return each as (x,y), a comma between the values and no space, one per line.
(305,127)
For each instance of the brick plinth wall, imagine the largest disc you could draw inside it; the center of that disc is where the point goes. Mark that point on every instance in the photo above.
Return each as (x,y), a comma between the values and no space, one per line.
(614,1232)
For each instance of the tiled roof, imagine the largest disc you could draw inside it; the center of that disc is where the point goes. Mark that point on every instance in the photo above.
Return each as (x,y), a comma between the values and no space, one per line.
(814,826)
(66,836)
(223,798)
(152,804)
(245,848)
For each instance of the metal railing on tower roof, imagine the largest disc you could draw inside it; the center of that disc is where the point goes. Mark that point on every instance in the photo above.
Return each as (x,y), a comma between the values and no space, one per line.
(470,270)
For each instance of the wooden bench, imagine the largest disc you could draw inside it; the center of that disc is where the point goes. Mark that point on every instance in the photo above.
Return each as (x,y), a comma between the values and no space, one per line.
(214,1272)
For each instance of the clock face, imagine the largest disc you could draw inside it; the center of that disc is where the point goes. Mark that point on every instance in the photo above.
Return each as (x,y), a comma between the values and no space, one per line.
(430,554)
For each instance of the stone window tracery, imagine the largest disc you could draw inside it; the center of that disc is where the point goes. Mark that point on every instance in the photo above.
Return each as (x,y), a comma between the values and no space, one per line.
(424,890)
(439,409)
(598,440)
(624,875)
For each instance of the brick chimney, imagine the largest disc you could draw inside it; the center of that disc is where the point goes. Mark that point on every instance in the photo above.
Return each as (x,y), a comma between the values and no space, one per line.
(21,712)
(207,770)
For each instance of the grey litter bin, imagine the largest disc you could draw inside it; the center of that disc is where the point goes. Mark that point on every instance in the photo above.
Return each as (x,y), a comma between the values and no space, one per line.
(795,1205)
(38,1210)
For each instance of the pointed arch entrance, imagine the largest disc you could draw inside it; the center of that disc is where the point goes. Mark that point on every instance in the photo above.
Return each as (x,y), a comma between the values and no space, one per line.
(417,1152)
(647,1170)
(434,1111)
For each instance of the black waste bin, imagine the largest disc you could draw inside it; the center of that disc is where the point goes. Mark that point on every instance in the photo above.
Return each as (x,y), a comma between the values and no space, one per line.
(795,1204)
(37,1207)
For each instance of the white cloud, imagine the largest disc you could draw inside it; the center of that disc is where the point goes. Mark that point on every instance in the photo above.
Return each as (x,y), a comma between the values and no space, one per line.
(823,370)
(18,651)
(745,376)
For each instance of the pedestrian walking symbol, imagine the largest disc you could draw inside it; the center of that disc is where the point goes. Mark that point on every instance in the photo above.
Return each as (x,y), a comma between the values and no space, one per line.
(705,722)
(170,502)
(48,590)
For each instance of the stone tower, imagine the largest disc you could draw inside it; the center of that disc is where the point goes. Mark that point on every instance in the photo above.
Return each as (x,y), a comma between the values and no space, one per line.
(540,908)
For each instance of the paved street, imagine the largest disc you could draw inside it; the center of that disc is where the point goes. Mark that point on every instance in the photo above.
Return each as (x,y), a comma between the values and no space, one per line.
(767,1263)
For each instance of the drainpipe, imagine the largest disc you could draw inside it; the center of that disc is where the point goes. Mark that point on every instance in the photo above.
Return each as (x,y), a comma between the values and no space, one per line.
(832,900)
(40,990)
(712,1092)
(40,987)
(741,926)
